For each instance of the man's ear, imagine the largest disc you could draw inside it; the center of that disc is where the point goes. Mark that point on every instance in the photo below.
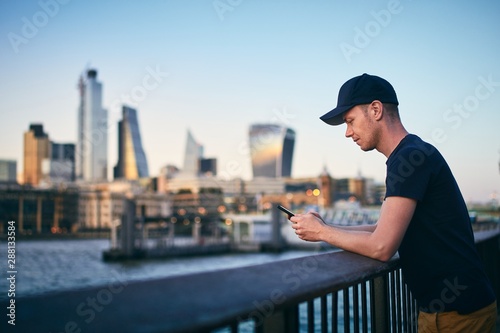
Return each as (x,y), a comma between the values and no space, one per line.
(377,110)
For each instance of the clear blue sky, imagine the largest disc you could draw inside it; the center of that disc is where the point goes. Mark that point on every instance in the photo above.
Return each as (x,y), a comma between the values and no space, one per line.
(231,63)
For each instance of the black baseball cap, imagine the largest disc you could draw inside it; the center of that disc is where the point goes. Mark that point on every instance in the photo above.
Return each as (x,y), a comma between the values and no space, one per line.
(362,89)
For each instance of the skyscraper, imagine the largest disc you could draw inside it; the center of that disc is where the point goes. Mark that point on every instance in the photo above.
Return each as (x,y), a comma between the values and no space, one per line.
(36,148)
(92,143)
(8,171)
(192,156)
(132,163)
(60,167)
(195,164)
(271,150)
(208,166)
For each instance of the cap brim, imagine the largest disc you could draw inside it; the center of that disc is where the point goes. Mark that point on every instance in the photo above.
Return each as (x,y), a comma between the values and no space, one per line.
(336,116)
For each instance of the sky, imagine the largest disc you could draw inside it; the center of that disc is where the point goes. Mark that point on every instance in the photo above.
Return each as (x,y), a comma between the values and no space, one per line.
(215,67)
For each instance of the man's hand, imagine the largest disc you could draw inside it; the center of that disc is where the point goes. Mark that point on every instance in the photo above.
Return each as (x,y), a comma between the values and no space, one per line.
(309,227)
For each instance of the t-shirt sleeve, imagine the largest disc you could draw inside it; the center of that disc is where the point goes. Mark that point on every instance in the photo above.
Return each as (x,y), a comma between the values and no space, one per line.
(408,173)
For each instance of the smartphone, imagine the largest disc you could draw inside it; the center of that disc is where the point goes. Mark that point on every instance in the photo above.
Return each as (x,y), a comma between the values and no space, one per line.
(289,213)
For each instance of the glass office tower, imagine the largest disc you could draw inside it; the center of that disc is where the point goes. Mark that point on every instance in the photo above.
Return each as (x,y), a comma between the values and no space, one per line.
(92,141)
(132,163)
(271,150)
(192,156)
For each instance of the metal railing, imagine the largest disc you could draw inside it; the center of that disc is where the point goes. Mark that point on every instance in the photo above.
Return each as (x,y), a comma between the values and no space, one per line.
(329,292)
(374,301)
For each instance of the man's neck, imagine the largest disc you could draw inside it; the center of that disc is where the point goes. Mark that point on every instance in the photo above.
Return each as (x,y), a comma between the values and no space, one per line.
(391,140)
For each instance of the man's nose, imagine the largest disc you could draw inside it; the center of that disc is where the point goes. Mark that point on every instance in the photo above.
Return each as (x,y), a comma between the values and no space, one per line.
(348,132)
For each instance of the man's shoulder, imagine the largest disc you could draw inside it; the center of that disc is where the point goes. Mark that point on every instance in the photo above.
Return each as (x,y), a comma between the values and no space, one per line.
(414,147)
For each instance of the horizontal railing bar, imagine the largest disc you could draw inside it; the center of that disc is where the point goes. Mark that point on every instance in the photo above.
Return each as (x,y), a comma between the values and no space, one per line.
(198,301)
(481,236)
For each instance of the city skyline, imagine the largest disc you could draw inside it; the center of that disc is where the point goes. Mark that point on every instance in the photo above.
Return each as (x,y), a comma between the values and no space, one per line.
(217,69)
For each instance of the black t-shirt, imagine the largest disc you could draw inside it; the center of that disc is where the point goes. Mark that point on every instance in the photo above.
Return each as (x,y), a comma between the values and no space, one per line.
(438,255)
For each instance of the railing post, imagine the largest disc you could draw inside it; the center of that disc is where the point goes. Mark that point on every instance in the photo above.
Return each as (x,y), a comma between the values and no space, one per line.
(282,321)
(489,251)
(380,302)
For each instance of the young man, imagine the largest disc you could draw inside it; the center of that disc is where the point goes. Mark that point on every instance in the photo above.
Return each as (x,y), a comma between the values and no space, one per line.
(423,216)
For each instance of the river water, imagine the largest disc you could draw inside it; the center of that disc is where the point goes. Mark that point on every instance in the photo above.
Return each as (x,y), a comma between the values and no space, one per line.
(47,266)
(51,266)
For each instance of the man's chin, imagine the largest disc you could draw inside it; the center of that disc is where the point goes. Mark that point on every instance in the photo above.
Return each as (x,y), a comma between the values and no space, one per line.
(366,148)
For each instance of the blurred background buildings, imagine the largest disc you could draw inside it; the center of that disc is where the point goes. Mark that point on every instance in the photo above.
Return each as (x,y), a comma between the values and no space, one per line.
(64,188)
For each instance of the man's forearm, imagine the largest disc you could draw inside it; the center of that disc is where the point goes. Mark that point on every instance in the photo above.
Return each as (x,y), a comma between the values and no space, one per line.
(357,240)
(362,227)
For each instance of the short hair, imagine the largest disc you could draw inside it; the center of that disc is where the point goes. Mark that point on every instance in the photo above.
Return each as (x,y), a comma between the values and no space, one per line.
(391,110)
